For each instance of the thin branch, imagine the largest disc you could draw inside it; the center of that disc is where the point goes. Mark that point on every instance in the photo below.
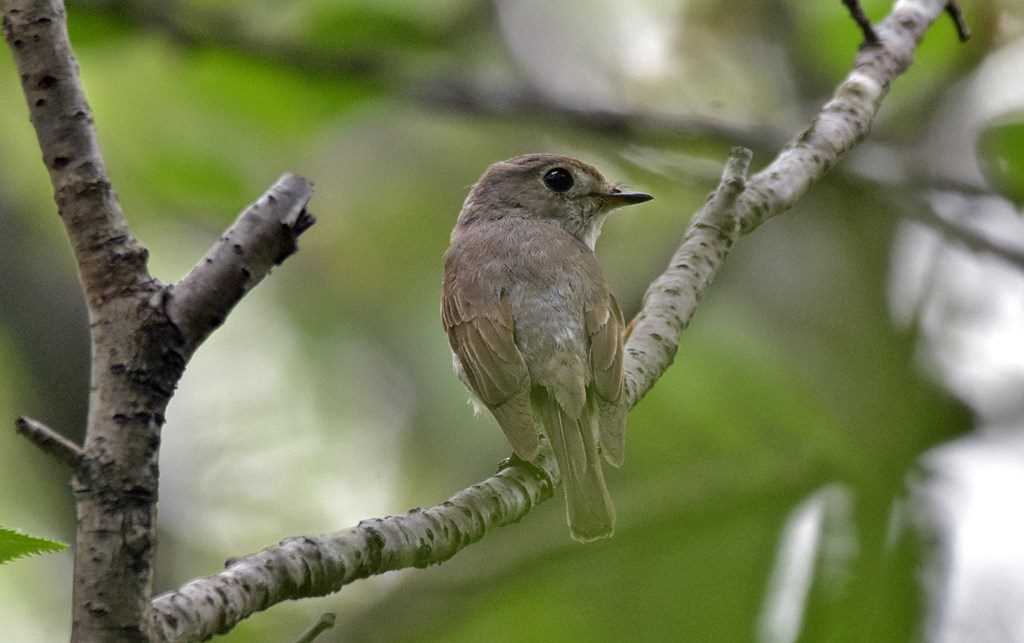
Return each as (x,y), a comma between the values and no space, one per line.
(445,91)
(672,299)
(858,15)
(319,565)
(109,257)
(844,121)
(313,566)
(962,30)
(324,623)
(971,239)
(264,235)
(50,441)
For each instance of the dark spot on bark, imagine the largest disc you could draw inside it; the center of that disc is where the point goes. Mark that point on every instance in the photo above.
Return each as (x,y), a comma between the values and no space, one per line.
(172,620)
(421,558)
(246,275)
(18,43)
(60,162)
(43,21)
(374,550)
(237,247)
(46,82)
(117,369)
(40,102)
(120,419)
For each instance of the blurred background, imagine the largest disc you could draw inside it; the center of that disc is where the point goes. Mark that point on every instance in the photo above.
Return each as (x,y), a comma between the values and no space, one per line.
(836,454)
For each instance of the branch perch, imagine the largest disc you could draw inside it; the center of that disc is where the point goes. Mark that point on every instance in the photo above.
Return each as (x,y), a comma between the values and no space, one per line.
(263,236)
(49,441)
(312,566)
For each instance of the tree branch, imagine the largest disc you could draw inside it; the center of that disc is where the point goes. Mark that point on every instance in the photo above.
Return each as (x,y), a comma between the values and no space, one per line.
(263,236)
(139,350)
(844,121)
(446,90)
(969,238)
(324,623)
(672,299)
(858,15)
(109,258)
(50,441)
(313,566)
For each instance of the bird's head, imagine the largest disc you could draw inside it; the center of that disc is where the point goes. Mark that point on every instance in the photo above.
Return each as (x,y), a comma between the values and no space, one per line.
(559,189)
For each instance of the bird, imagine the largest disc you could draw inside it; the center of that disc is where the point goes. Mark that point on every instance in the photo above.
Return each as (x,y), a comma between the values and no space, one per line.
(536,335)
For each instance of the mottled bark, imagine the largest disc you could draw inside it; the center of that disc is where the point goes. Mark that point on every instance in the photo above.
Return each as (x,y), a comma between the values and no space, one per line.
(317,565)
(138,349)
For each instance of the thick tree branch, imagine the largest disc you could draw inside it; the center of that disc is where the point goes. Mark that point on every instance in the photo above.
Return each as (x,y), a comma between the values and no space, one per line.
(446,90)
(110,260)
(50,441)
(139,350)
(311,566)
(263,236)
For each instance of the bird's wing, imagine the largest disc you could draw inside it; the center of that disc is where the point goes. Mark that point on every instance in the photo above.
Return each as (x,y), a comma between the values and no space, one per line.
(480,331)
(605,324)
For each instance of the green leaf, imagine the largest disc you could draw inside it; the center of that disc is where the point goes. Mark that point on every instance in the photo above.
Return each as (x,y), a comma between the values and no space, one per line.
(1001,155)
(16,544)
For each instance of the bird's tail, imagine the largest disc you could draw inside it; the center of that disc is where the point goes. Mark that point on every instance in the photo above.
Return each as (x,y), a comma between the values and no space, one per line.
(588,506)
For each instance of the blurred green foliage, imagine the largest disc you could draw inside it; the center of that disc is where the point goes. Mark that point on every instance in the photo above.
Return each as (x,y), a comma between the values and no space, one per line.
(1001,151)
(328,395)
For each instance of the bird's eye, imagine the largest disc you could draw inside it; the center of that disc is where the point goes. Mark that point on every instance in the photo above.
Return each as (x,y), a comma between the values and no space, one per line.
(558,180)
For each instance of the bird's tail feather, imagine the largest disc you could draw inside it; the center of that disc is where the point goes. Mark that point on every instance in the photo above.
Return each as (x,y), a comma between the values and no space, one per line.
(589,508)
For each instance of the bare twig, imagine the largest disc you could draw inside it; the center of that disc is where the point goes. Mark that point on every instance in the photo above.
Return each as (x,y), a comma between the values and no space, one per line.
(962,30)
(264,235)
(324,623)
(858,15)
(844,121)
(50,441)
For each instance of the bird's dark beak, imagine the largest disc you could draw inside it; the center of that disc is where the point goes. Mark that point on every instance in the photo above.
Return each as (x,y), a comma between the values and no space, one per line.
(616,198)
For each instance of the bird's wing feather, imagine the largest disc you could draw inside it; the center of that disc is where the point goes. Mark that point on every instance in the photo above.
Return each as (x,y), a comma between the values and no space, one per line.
(605,324)
(480,331)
